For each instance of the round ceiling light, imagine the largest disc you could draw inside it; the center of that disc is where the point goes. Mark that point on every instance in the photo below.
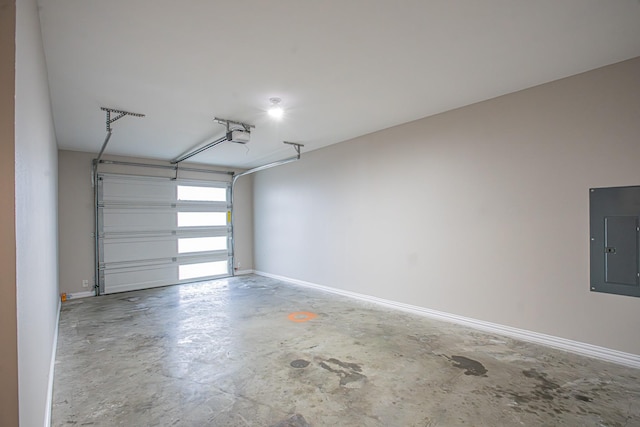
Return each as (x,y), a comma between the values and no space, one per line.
(275,110)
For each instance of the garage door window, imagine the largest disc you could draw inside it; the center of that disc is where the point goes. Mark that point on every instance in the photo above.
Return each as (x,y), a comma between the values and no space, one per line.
(202,194)
(202,219)
(202,244)
(204,269)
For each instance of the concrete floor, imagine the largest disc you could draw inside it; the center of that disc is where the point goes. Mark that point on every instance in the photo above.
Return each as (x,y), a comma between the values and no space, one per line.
(233,352)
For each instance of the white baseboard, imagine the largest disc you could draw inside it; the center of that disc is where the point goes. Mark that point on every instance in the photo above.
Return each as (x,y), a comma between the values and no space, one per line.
(85,294)
(243,272)
(584,349)
(52,366)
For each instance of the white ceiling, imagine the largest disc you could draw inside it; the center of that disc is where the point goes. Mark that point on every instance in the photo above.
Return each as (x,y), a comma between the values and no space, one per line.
(342,68)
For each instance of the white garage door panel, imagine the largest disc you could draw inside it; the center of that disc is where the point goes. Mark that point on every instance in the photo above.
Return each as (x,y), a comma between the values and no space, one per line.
(139,249)
(129,279)
(129,189)
(149,238)
(135,220)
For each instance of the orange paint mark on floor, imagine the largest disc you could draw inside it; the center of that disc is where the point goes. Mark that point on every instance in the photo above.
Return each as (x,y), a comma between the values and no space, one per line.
(302,316)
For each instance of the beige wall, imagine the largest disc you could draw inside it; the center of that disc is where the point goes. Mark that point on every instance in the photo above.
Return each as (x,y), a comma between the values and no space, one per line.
(8,321)
(480,212)
(76,214)
(243,223)
(75,221)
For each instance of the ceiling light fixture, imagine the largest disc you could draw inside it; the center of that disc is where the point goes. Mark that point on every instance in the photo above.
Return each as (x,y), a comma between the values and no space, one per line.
(275,110)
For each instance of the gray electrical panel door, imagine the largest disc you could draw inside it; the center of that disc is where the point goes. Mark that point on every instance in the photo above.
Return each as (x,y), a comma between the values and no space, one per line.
(615,240)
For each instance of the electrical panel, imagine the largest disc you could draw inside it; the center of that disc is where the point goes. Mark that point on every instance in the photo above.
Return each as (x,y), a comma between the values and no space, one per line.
(614,216)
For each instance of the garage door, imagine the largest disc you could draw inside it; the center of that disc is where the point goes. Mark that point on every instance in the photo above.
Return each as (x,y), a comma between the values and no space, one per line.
(157,231)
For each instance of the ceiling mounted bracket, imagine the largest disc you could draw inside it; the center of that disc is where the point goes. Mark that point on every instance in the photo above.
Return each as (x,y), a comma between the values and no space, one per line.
(120,114)
(109,120)
(246,127)
(296,146)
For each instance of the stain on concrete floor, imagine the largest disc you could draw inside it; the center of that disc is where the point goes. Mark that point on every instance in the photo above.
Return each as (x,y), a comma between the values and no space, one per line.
(296,420)
(300,363)
(470,366)
(224,353)
(349,373)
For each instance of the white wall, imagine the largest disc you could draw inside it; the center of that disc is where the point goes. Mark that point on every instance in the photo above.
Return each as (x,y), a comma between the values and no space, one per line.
(36,218)
(480,212)
(76,213)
